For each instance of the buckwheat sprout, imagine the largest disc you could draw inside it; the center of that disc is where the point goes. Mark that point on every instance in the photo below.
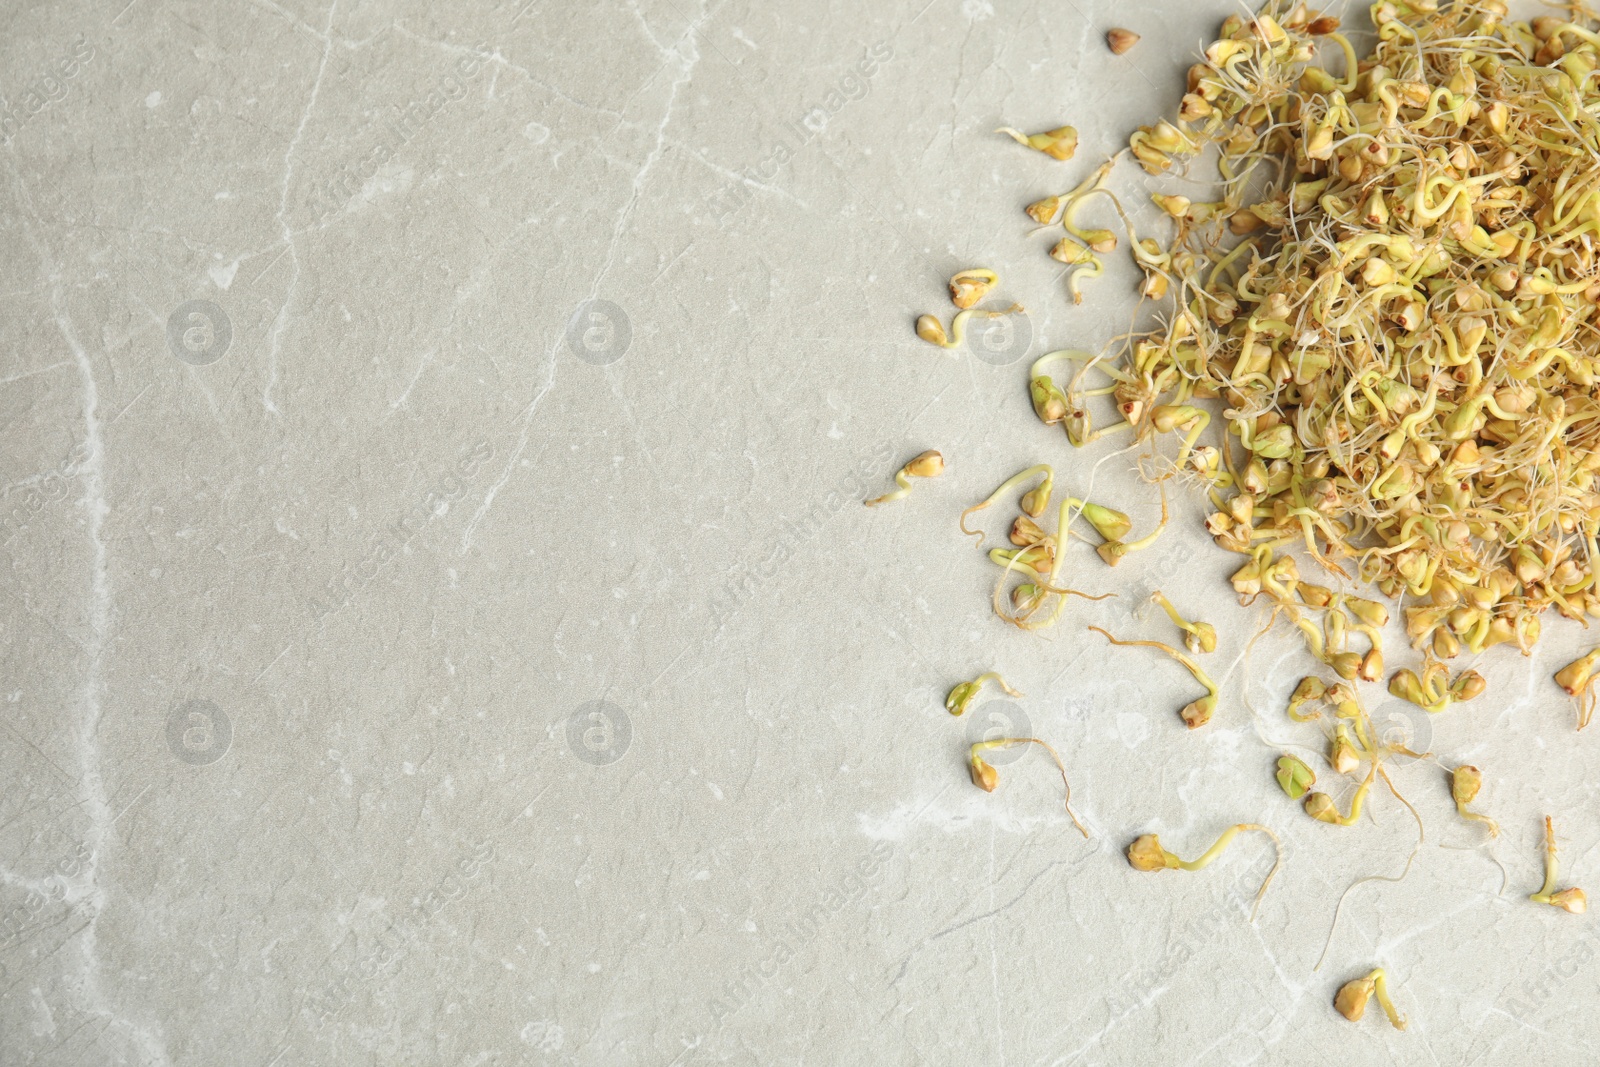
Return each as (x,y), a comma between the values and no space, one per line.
(1320,806)
(1202,636)
(986,777)
(1465,781)
(1114,551)
(1038,559)
(1097,240)
(929,464)
(1059,143)
(1168,417)
(1197,712)
(1351,1001)
(960,698)
(1146,854)
(1295,777)
(1033,502)
(969,287)
(931,330)
(1577,679)
(1308,690)
(1570,900)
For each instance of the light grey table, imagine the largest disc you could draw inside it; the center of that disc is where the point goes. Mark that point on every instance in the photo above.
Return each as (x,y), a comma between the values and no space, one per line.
(440,622)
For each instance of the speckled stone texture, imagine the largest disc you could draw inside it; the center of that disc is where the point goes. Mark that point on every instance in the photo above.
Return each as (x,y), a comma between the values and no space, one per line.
(441,625)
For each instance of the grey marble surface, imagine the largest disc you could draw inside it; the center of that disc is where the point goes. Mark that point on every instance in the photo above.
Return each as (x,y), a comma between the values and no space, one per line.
(440,624)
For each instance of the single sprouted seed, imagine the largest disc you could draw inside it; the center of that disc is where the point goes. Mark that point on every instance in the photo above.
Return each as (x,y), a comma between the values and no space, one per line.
(1202,636)
(1109,523)
(969,287)
(1120,40)
(1059,143)
(1310,689)
(1146,854)
(961,697)
(1465,781)
(1197,712)
(986,777)
(1351,1000)
(1320,806)
(929,464)
(1577,678)
(931,330)
(1037,559)
(1570,900)
(1295,777)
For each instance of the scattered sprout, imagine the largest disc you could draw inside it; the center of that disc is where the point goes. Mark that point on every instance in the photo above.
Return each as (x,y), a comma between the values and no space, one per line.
(1576,678)
(1351,1001)
(1033,502)
(1433,691)
(1201,636)
(1465,781)
(1197,712)
(1113,552)
(1308,690)
(1570,900)
(1059,143)
(985,777)
(1146,854)
(931,330)
(961,697)
(1320,806)
(929,464)
(969,287)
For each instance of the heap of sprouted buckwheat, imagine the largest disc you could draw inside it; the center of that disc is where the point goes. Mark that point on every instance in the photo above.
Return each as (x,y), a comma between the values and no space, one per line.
(1377,355)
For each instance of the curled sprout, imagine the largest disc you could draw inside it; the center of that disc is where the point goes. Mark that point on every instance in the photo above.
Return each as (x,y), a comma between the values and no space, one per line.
(1465,781)
(929,464)
(1351,1000)
(1202,636)
(960,698)
(1308,690)
(1577,678)
(1033,502)
(969,287)
(987,778)
(1569,900)
(1146,854)
(1059,143)
(1197,712)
